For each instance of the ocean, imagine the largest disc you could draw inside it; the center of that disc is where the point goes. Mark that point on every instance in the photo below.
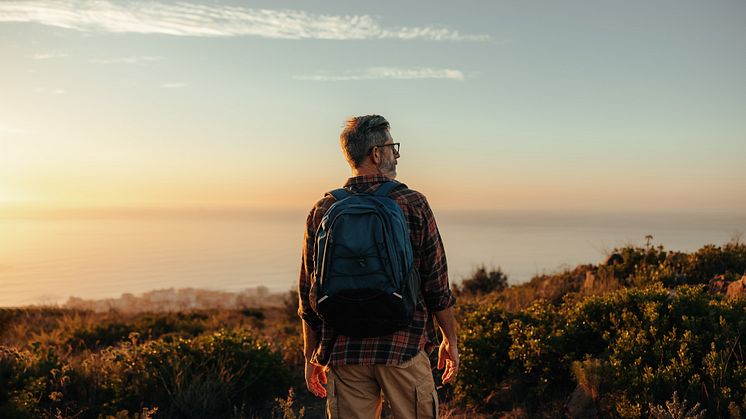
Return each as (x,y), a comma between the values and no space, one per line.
(45,259)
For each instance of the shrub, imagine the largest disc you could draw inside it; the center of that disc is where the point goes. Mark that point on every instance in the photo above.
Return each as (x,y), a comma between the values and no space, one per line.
(634,347)
(100,335)
(709,261)
(633,258)
(11,381)
(33,382)
(482,282)
(676,409)
(539,349)
(484,344)
(215,375)
(210,375)
(657,342)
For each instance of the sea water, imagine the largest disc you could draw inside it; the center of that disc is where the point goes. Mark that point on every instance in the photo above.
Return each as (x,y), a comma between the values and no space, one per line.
(45,259)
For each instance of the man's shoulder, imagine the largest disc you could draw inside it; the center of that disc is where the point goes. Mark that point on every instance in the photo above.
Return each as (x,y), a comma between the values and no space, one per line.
(407,196)
(324,202)
(402,194)
(319,209)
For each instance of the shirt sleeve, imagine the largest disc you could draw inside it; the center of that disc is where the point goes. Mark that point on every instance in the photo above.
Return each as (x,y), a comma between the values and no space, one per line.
(433,267)
(305,311)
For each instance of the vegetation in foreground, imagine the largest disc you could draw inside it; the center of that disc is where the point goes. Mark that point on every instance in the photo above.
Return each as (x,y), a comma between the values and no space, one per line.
(648,333)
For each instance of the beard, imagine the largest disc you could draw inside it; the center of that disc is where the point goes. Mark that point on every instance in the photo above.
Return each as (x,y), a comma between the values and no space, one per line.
(388,167)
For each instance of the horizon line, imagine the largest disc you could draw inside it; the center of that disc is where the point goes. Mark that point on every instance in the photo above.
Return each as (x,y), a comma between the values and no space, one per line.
(76,211)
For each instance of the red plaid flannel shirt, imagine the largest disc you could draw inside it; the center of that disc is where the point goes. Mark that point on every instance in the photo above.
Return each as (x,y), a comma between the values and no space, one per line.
(430,260)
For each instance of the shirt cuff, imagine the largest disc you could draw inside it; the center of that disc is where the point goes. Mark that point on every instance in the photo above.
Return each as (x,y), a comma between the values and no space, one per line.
(441,303)
(311,319)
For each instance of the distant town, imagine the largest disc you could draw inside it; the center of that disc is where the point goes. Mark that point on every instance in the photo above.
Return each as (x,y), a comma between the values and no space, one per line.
(182,299)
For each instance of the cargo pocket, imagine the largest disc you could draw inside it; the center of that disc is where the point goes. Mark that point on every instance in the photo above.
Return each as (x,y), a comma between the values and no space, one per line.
(427,402)
(332,403)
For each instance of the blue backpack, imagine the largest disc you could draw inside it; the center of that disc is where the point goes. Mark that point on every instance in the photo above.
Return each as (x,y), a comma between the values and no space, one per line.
(364,282)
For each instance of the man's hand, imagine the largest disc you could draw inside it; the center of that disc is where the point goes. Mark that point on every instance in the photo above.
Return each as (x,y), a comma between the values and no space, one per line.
(448,351)
(448,359)
(315,379)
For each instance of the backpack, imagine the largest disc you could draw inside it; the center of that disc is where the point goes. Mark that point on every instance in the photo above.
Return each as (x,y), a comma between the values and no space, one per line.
(364,283)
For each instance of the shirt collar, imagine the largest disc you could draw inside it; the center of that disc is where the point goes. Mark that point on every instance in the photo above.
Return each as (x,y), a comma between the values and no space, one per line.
(367,179)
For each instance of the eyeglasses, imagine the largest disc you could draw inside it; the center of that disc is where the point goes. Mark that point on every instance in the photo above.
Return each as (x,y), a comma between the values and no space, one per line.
(396,147)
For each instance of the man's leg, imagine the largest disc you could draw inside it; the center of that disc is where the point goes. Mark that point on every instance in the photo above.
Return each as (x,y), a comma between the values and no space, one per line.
(409,388)
(352,392)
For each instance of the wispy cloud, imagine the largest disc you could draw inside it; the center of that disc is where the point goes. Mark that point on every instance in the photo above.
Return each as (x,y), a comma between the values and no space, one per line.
(389,73)
(174,85)
(184,19)
(44,90)
(46,56)
(125,60)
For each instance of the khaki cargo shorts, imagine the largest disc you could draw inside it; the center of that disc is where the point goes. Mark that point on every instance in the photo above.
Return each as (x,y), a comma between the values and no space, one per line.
(355,391)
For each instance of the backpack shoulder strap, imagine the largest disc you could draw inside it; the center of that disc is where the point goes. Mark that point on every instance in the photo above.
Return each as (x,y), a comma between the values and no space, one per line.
(339,194)
(386,188)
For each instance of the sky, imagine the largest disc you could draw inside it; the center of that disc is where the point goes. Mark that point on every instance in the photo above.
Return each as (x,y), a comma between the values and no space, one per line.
(541,105)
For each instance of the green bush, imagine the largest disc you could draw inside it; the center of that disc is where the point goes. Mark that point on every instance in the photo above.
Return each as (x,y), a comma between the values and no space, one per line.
(647,343)
(213,374)
(33,382)
(11,380)
(224,374)
(485,341)
(482,282)
(709,261)
(645,266)
(539,349)
(100,334)
(110,332)
(657,341)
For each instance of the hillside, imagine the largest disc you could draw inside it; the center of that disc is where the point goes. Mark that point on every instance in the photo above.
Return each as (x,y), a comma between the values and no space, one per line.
(646,332)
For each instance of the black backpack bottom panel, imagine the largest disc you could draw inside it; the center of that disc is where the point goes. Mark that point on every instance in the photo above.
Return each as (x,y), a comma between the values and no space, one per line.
(366,313)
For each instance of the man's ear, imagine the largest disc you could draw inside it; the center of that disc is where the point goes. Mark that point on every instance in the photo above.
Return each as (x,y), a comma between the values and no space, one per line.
(375,155)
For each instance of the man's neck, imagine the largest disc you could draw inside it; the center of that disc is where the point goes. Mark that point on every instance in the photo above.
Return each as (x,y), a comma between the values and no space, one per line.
(366,170)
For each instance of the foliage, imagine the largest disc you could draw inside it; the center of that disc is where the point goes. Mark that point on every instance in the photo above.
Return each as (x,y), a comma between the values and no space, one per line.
(108,333)
(223,373)
(709,261)
(483,360)
(637,345)
(644,266)
(482,282)
(591,374)
(676,409)
(211,374)
(539,348)
(629,333)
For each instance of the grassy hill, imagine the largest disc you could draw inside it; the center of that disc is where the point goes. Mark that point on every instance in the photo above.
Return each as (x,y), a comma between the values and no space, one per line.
(647,333)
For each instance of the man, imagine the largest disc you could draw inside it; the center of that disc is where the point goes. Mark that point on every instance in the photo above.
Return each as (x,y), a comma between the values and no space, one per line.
(397,365)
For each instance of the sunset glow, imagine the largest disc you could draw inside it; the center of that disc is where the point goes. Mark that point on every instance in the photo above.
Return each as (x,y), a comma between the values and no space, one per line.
(242,106)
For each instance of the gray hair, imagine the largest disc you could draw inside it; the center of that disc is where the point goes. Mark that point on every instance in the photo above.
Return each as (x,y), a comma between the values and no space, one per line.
(360,135)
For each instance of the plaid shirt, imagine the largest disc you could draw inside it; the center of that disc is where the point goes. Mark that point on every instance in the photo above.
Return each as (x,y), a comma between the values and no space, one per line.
(430,261)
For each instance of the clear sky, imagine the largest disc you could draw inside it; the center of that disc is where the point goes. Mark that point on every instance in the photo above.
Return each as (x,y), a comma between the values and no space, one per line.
(631,105)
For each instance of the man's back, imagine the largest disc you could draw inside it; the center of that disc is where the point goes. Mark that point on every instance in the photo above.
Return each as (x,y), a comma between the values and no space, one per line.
(395,364)
(429,260)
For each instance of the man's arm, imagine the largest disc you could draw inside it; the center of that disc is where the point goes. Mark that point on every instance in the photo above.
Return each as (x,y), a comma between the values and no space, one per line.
(309,341)
(437,291)
(315,375)
(448,351)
